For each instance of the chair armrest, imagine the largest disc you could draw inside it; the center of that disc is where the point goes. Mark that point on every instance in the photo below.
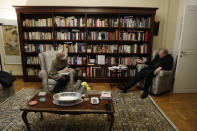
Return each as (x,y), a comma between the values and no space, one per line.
(163,73)
(43,74)
(72,72)
(141,66)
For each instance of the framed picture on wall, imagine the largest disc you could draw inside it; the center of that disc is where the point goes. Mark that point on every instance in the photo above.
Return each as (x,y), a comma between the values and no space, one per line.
(11,47)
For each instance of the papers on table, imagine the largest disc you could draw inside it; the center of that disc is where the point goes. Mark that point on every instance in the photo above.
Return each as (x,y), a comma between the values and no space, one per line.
(42,93)
(65,73)
(105,95)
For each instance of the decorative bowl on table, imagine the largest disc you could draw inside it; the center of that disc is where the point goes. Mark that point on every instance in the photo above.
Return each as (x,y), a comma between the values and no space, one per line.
(67,98)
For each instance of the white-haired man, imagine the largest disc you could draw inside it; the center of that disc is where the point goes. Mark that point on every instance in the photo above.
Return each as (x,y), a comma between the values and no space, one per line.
(162,61)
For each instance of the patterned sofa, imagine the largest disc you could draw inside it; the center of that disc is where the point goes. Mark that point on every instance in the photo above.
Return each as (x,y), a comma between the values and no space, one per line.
(45,64)
(163,82)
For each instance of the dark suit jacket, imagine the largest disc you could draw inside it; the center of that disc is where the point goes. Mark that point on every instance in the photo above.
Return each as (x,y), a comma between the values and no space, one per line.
(166,63)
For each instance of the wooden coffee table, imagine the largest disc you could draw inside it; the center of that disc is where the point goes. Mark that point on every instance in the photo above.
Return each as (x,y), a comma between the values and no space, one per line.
(83,108)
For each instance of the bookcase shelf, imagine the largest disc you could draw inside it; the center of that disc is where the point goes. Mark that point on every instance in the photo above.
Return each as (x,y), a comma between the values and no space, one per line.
(120,34)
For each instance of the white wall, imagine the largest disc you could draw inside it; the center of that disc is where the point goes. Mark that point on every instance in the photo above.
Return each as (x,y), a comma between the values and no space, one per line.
(166,8)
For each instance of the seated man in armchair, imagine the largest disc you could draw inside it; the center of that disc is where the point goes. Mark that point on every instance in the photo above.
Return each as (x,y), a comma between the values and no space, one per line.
(59,65)
(162,61)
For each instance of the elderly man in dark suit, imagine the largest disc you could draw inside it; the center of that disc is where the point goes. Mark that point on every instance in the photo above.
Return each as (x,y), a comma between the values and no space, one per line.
(162,61)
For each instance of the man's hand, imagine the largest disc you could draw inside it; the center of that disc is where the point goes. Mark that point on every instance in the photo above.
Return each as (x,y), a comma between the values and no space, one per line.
(157,70)
(66,69)
(139,61)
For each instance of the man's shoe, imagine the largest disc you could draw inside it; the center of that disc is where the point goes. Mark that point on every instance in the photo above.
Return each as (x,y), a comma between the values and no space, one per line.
(144,94)
(124,89)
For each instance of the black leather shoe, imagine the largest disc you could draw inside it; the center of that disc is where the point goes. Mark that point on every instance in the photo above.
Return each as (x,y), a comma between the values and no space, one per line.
(124,89)
(144,94)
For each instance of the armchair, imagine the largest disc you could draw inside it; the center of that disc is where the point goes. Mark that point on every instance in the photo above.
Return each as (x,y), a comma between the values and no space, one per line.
(163,82)
(45,65)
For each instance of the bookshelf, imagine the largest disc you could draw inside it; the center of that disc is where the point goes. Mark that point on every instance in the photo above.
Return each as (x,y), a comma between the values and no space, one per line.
(95,38)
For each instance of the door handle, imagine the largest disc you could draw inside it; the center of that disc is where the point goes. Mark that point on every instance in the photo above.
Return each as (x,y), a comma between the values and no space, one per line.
(186,53)
(182,53)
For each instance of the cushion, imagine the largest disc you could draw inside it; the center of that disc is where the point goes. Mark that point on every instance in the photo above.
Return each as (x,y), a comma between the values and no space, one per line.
(49,56)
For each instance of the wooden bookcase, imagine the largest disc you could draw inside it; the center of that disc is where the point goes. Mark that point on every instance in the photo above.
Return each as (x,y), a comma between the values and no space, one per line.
(90,28)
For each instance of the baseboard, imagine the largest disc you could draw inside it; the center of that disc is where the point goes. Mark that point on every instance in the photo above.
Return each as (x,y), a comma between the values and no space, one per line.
(18,76)
(156,95)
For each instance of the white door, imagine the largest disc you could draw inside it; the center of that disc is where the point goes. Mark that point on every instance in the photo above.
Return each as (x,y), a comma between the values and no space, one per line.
(186,71)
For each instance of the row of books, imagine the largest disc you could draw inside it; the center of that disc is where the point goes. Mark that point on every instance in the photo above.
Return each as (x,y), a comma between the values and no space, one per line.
(70,35)
(127,73)
(71,21)
(76,60)
(101,60)
(38,22)
(102,22)
(32,71)
(102,48)
(38,35)
(33,60)
(81,48)
(135,22)
(93,71)
(92,35)
(96,71)
(127,61)
(102,35)
(81,71)
(143,49)
(134,35)
(128,48)
(73,48)
(103,72)
(98,60)
(38,47)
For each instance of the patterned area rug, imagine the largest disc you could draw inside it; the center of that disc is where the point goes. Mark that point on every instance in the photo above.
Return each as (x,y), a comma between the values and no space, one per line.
(131,114)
